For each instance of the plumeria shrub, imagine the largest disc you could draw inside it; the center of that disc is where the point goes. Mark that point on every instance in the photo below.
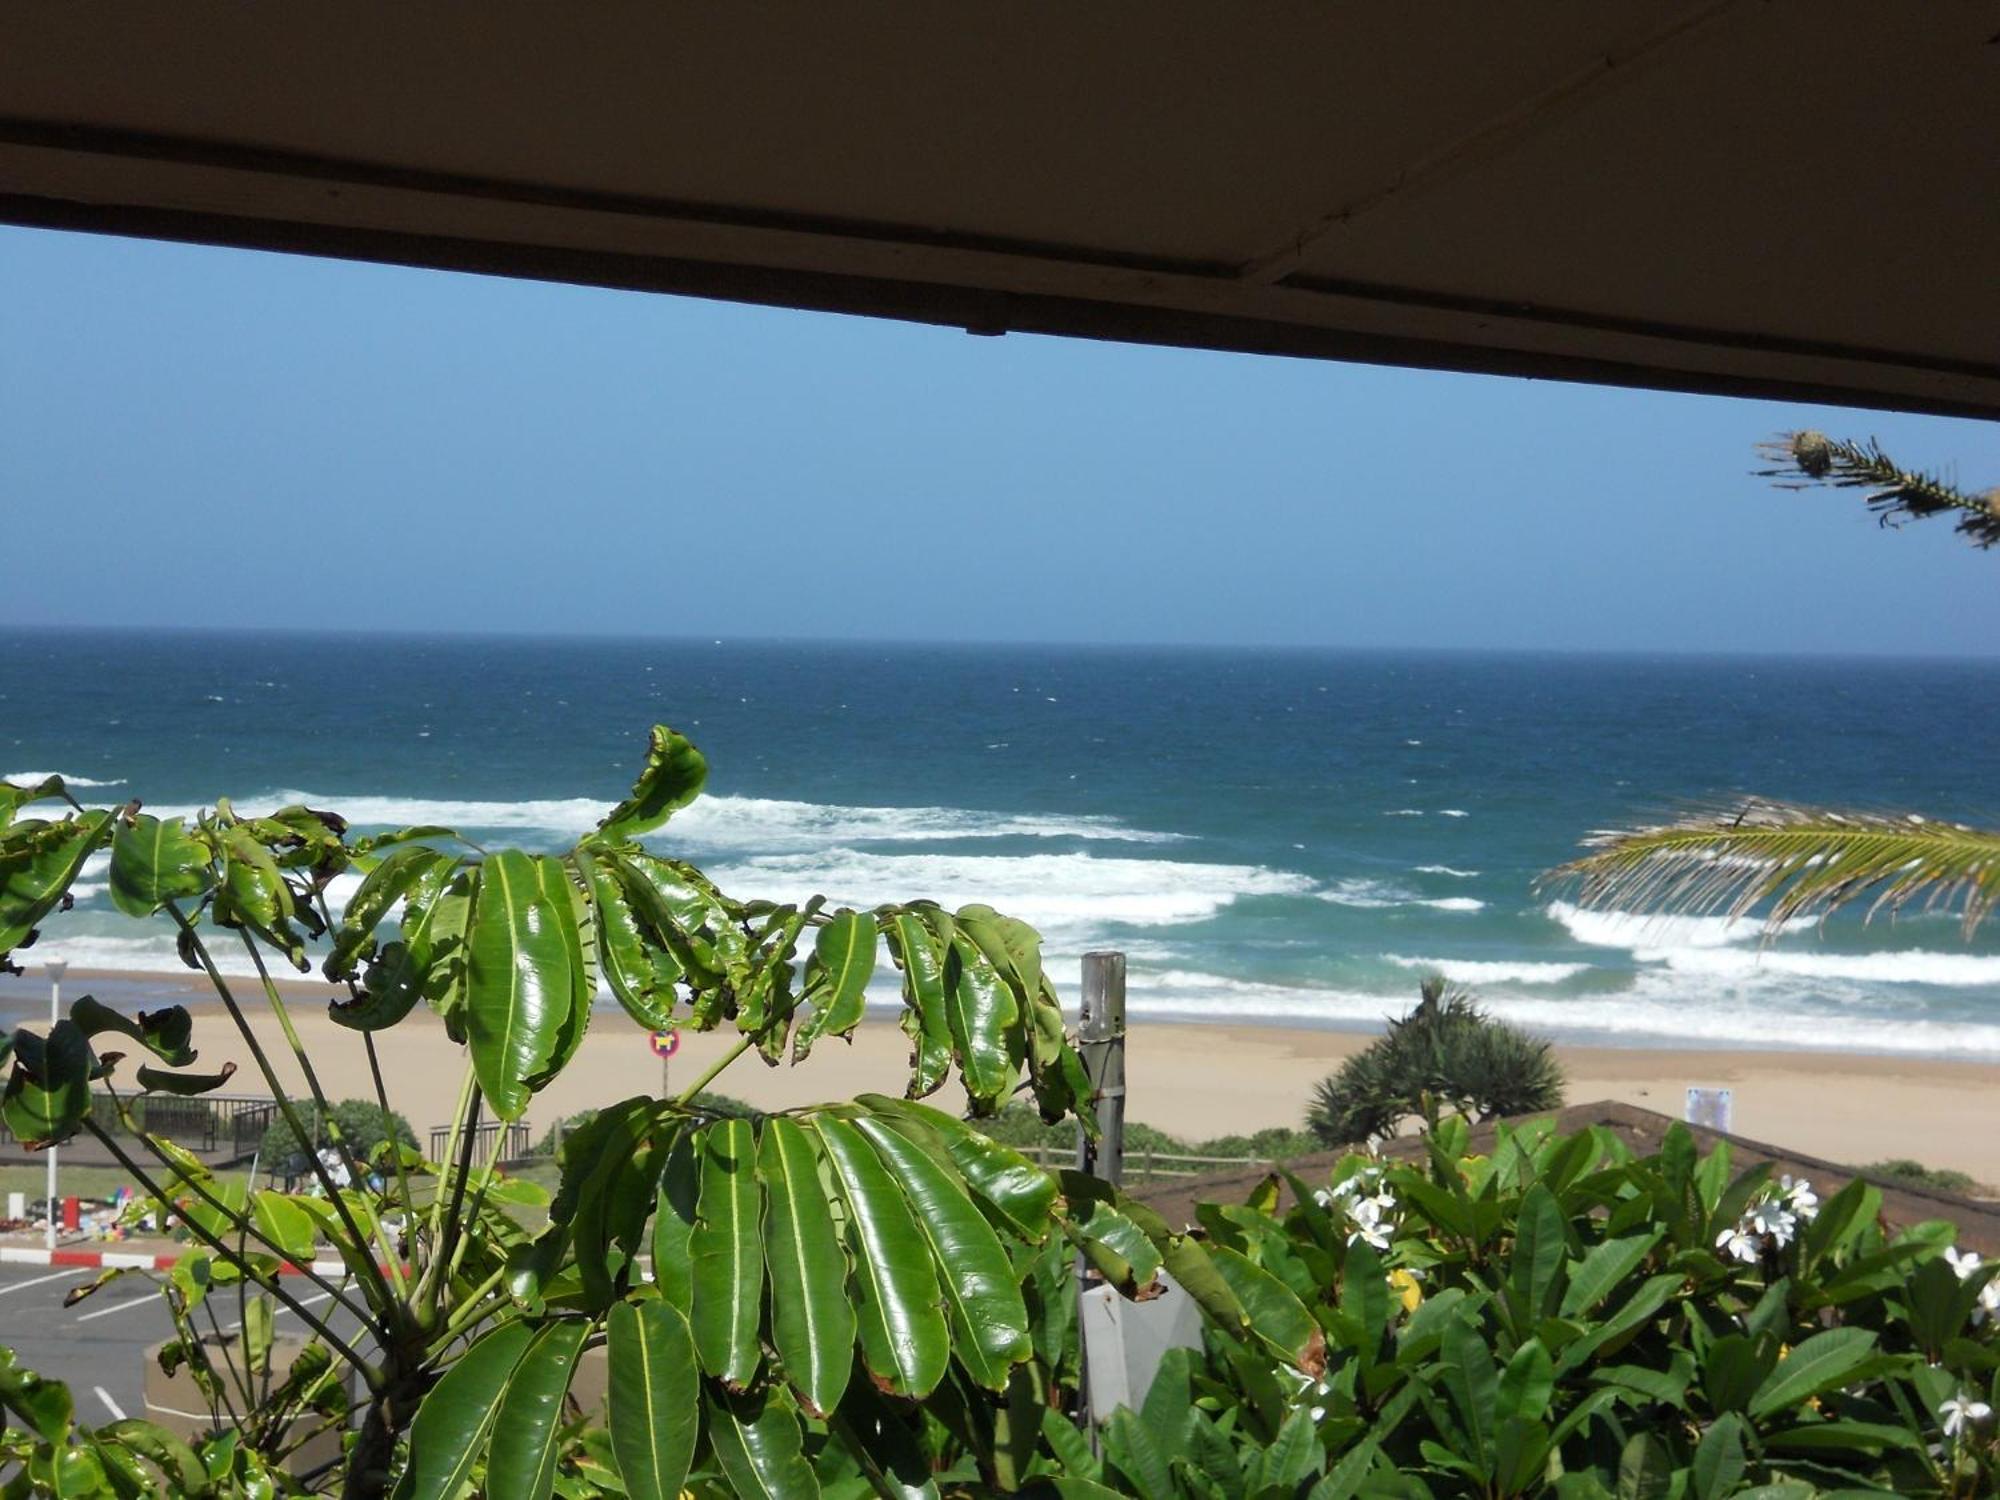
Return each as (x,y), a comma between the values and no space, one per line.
(1563,1318)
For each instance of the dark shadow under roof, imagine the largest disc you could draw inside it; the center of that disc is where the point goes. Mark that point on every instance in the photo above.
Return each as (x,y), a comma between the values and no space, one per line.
(1758,197)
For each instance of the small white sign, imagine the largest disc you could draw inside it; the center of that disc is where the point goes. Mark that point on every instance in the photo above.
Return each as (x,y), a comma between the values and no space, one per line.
(1710,1108)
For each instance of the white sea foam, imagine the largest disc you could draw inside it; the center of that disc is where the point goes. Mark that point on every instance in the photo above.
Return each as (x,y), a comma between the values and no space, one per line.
(1641,933)
(1404,812)
(1453,812)
(1908,966)
(1660,1013)
(32,778)
(1061,894)
(760,824)
(1447,870)
(1489,971)
(1378,895)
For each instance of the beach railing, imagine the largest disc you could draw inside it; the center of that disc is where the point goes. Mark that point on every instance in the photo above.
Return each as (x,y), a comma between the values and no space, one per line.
(520,1136)
(217,1127)
(1143,1164)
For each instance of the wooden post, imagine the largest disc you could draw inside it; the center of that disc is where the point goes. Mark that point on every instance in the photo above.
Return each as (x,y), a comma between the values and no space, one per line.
(1101,1034)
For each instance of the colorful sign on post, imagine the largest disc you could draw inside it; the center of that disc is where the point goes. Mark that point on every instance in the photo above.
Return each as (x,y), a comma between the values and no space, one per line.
(666,1043)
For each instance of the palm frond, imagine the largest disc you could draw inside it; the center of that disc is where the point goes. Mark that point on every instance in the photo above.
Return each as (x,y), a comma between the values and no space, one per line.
(1798,861)
(1895,494)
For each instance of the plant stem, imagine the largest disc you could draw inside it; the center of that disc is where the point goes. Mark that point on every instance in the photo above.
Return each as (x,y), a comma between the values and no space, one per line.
(478,1195)
(347,1157)
(240,1217)
(382,1099)
(443,1227)
(285,1107)
(368,1372)
(713,1073)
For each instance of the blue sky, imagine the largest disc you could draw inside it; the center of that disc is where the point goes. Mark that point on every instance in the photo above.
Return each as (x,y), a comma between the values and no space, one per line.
(217,438)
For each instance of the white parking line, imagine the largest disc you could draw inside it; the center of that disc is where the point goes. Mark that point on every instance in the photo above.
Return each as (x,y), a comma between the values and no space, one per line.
(22,1286)
(117,1414)
(282,1311)
(151,1299)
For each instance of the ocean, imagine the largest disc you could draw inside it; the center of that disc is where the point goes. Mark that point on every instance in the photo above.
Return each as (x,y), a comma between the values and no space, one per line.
(1272,836)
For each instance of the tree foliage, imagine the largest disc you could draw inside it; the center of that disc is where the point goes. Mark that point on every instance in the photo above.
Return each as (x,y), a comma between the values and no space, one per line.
(739,1271)
(1445,1054)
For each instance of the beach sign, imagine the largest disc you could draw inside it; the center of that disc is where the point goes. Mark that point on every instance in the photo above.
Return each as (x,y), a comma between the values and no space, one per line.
(666,1043)
(1712,1108)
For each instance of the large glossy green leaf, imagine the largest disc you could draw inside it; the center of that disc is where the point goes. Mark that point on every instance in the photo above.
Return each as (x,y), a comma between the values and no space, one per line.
(456,1416)
(429,963)
(989,1319)
(577,928)
(382,887)
(1020,1191)
(38,864)
(836,980)
(674,1214)
(165,1032)
(726,1256)
(47,1098)
(45,1405)
(905,1341)
(619,1179)
(985,1025)
(640,969)
(678,907)
(16,795)
(654,1398)
(174,1459)
(759,1445)
(671,778)
(253,893)
(520,989)
(1819,1364)
(918,954)
(812,1325)
(1278,1319)
(154,861)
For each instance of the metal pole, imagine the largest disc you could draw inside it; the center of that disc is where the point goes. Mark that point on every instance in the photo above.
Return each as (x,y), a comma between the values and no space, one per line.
(56,968)
(1101,1037)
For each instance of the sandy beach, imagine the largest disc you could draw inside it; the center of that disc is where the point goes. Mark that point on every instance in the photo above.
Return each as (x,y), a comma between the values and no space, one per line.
(1193,1080)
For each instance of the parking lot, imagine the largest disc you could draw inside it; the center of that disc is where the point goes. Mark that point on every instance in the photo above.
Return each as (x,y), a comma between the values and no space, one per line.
(98,1347)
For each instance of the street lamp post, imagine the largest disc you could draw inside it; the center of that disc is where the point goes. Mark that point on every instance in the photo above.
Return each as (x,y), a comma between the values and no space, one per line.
(56,968)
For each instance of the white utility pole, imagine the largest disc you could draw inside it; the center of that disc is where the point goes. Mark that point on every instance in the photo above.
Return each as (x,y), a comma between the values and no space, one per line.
(56,968)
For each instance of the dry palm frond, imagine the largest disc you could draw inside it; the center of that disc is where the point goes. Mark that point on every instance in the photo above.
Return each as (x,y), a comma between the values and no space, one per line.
(1802,861)
(1894,493)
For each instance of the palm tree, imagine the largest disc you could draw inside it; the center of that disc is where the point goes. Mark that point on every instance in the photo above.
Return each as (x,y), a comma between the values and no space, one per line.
(1445,1054)
(1796,861)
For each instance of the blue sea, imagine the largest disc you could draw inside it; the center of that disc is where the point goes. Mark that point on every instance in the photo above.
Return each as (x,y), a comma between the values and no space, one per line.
(1272,836)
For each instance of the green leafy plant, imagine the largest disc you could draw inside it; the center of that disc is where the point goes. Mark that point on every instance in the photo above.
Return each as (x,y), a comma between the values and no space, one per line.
(758,1287)
(1563,1318)
(1444,1055)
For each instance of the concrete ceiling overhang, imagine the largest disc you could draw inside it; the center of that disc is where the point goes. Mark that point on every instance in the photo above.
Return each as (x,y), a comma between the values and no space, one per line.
(1788,198)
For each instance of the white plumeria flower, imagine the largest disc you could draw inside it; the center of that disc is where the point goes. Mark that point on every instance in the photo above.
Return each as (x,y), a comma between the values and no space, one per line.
(1965,1262)
(1988,1305)
(1961,1412)
(1773,1219)
(1799,1196)
(1323,1197)
(1738,1243)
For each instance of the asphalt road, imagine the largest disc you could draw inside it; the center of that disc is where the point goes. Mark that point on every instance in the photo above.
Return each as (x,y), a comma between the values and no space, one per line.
(98,1347)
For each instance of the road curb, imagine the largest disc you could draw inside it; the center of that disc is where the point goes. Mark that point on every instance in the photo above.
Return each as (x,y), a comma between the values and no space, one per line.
(125,1260)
